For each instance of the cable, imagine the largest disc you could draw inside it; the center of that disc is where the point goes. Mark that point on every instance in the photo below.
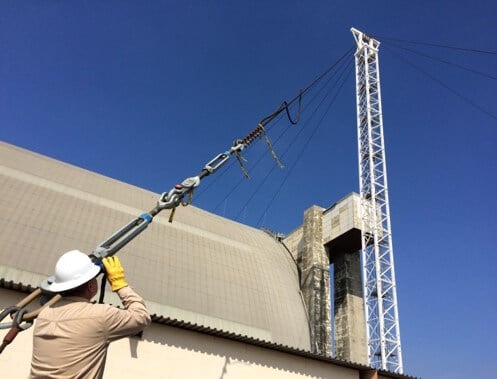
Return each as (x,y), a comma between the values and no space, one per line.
(292,143)
(242,179)
(472,103)
(285,105)
(304,147)
(446,62)
(438,45)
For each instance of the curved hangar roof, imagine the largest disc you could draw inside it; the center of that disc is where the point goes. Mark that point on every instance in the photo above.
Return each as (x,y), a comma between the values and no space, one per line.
(202,268)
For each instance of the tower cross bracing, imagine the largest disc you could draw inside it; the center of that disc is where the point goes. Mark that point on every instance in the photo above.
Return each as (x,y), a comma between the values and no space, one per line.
(378,274)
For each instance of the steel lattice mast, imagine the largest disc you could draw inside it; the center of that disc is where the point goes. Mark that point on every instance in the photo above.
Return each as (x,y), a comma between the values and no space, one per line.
(378,275)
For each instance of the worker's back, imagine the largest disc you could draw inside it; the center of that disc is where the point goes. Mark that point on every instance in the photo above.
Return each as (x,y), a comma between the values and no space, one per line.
(71,337)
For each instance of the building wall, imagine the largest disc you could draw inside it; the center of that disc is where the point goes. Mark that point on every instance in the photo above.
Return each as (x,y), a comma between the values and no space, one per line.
(350,324)
(174,353)
(327,236)
(315,280)
(342,217)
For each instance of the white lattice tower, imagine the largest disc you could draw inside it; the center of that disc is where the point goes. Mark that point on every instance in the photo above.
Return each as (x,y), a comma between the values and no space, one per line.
(378,276)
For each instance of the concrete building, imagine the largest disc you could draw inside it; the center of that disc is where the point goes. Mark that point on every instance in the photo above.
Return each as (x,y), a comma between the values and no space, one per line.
(333,236)
(228,300)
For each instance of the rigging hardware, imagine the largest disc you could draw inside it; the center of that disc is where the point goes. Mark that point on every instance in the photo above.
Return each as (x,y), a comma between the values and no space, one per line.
(23,319)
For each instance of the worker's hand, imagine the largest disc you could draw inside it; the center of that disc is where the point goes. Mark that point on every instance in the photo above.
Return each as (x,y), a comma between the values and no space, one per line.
(115,273)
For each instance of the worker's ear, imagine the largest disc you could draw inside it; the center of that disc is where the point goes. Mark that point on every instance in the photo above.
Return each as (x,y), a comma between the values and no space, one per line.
(92,286)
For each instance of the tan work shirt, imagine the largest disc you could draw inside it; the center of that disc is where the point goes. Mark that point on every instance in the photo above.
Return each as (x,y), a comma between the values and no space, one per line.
(71,337)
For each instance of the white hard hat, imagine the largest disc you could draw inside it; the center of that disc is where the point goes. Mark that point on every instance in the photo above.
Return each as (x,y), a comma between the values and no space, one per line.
(73,269)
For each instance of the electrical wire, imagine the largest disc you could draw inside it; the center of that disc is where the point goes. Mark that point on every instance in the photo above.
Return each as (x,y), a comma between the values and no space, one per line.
(472,103)
(318,92)
(285,107)
(287,150)
(271,202)
(436,45)
(424,72)
(444,61)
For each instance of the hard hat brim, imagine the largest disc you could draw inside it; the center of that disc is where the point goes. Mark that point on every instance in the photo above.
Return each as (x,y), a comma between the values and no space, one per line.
(51,285)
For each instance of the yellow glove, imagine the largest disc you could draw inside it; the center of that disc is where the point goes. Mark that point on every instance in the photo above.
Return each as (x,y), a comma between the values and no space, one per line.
(115,273)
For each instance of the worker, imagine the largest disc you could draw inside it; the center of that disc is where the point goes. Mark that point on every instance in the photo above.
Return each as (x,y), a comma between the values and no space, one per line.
(71,337)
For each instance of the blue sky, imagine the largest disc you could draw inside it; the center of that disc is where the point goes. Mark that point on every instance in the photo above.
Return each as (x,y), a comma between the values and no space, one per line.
(148,94)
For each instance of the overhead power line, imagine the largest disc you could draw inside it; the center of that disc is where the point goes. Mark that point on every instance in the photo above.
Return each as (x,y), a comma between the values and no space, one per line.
(437,45)
(445,61)
(285,106)
(348,72)
(293,143)
(448,88)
